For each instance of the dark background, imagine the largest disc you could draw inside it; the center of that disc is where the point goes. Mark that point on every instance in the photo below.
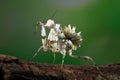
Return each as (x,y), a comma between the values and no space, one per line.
(98,20)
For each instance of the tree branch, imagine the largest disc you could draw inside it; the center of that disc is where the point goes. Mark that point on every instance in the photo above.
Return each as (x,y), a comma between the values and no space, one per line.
(12,68)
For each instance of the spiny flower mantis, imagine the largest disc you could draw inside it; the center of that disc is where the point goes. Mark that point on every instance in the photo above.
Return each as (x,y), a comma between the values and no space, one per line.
(63,40)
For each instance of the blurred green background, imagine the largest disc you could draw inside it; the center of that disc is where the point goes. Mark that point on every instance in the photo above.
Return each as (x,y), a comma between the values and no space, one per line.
(98,20)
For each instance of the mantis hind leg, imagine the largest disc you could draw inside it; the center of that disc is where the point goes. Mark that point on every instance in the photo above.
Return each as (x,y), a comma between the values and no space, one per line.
(84,57)
(88,59)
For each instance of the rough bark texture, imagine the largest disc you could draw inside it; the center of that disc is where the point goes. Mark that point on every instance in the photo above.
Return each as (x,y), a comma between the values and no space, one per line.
(12,68)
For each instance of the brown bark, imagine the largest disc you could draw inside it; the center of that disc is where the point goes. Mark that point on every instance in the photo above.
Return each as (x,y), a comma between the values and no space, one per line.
(12,68)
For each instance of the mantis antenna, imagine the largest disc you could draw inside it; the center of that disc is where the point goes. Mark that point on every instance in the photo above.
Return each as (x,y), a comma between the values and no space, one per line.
(38,22)
(53,14)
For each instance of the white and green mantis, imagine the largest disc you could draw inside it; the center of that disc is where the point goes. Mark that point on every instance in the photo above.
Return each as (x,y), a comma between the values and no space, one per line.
(60,40)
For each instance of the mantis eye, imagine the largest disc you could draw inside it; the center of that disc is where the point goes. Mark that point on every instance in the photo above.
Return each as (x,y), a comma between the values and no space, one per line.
(38,23)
